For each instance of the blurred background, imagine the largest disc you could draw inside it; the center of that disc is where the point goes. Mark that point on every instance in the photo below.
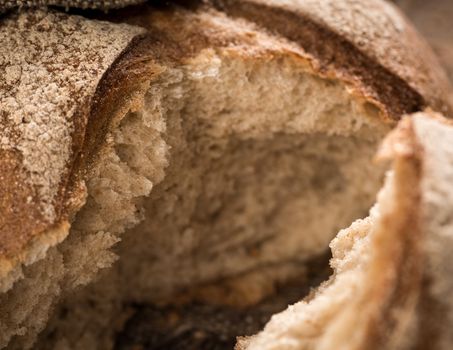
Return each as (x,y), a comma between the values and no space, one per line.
(433,18)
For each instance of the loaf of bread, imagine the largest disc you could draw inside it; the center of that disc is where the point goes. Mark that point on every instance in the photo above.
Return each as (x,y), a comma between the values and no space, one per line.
(391,286)
(219,142)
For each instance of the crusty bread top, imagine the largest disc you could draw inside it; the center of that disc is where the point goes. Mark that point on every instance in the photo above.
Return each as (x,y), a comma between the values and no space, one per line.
(368,42)
(52,64)
(84,4)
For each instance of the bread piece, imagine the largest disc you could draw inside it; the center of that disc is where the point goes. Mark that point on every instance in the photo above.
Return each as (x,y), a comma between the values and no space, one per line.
(166,129)
(391,286)
(366,41)
(51,65)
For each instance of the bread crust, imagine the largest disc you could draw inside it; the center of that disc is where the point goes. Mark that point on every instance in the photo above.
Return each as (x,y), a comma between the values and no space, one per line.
(52,67)
(368,43)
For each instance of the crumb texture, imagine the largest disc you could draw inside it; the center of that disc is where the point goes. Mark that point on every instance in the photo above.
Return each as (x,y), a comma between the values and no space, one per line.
(234,167)
(390,287)
(213,154)
(338,313)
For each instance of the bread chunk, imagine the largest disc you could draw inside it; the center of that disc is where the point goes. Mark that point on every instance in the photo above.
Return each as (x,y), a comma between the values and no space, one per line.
(390,288)
(205,150)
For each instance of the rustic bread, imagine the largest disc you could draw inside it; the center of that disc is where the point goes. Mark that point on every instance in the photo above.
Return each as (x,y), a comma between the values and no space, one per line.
(390,287)
(105,125)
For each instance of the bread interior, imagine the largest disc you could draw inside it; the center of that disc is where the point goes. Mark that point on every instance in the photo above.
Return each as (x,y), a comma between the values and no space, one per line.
(318,321)
(236,172)
(372,296)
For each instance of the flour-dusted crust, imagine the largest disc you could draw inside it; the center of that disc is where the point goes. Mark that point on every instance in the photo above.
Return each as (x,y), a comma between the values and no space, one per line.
(51,65)
(368,42)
